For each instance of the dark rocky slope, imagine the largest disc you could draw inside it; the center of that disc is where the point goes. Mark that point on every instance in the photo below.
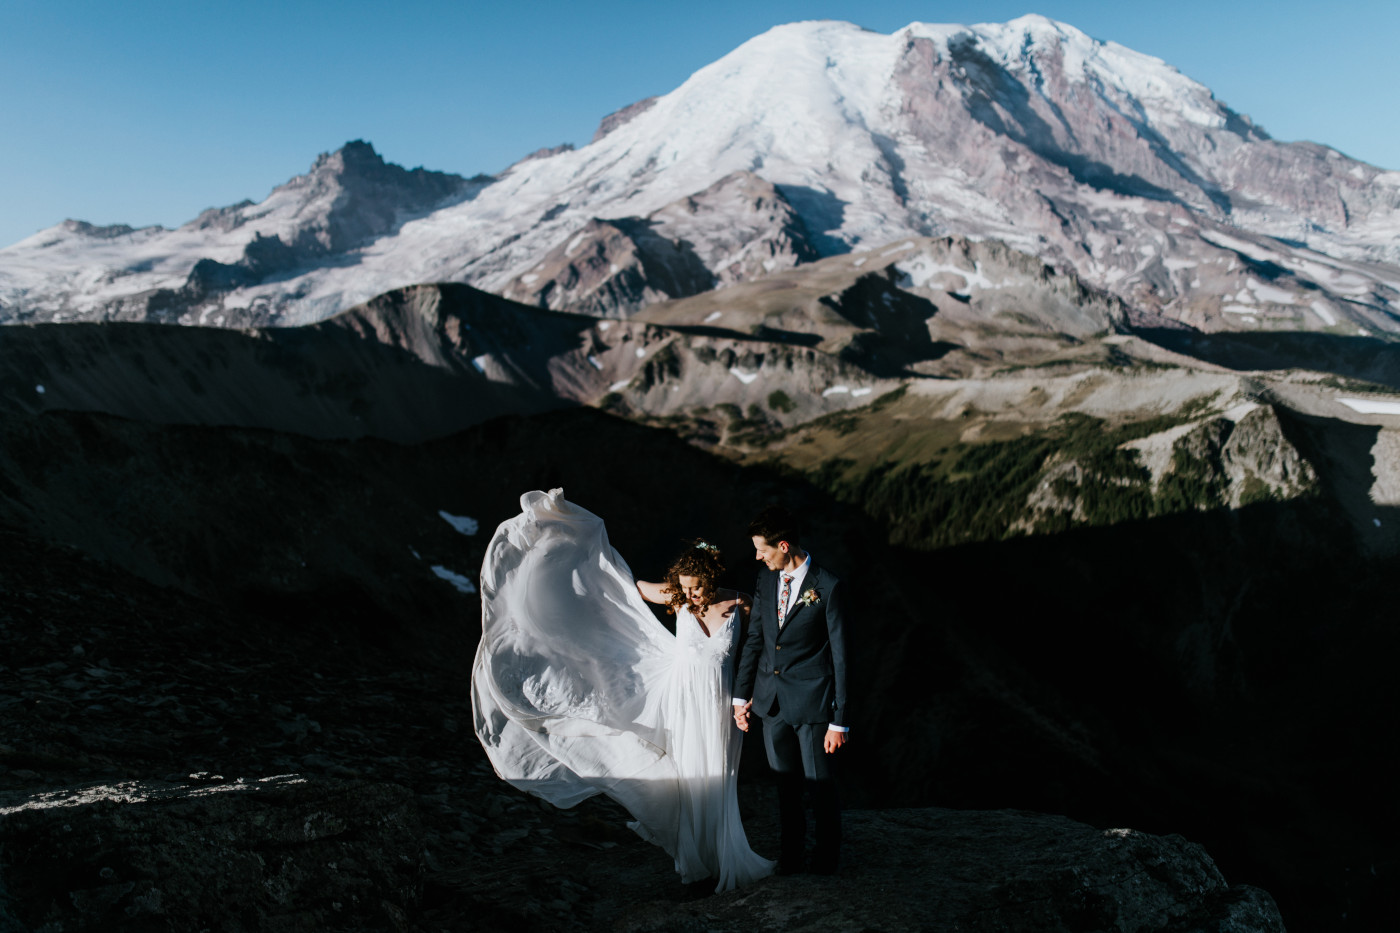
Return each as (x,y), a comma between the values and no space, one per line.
(185,600)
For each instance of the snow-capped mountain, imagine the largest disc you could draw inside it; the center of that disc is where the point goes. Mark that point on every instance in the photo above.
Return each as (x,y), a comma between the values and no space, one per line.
(812,139)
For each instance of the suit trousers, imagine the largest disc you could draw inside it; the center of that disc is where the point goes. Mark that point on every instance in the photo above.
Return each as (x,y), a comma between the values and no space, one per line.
(796,755)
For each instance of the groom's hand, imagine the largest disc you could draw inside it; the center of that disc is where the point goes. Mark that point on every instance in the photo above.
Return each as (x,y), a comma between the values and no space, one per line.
(741,715)
(834,740)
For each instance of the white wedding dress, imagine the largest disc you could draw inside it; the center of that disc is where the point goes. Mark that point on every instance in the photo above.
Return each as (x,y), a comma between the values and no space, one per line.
(577,690)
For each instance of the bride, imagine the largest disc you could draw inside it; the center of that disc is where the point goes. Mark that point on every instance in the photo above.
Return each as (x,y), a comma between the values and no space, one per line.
(578,690)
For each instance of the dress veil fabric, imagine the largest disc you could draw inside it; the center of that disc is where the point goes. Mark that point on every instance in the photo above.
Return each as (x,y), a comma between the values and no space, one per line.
(578,690)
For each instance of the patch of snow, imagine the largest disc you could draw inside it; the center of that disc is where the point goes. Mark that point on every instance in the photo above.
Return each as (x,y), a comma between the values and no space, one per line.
(462,584)
(918,271)
(463,524)
(480,363)
(604,325)
(713,316)
(1272,293)
(769,264)
(1239,411)
(1239,309)
(641,353)
(594,360)
(836,390)
(612,268)
(529,278)
(1324,312)
(859,392)
(620,384)
(858,263)
(1371,406)
(574,244)
(743,377)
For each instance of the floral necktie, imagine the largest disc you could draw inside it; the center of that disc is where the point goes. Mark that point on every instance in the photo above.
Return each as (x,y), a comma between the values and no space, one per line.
(783,599)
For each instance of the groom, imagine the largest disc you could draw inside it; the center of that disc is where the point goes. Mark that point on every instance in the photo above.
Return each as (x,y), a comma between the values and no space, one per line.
(792,674)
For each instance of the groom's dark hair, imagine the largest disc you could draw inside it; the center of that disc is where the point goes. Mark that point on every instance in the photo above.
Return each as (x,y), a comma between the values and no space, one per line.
(776,524)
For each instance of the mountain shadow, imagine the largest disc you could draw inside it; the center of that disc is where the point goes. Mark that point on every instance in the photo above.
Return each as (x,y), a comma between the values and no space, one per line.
(401,367)
(1221,674)
(820,211)
(1365,359)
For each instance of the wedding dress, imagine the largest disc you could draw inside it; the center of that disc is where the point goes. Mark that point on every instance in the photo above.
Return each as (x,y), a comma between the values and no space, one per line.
(577,690)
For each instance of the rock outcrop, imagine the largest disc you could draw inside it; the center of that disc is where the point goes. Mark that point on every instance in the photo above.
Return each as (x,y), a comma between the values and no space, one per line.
(738,229)
(288,854)
(280,854)
(916,870)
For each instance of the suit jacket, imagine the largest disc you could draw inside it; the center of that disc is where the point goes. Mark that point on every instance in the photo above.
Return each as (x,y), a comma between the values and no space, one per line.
(798,673)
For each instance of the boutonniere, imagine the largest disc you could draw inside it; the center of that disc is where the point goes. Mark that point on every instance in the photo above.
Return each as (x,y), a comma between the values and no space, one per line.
(810,598)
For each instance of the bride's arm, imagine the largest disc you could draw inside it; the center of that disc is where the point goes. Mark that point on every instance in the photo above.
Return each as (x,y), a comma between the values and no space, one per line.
(653,592)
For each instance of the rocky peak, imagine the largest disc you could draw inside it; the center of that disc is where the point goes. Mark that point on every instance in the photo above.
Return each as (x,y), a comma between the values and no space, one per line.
(361,196)
(621,117)
(83,228)
(546,152)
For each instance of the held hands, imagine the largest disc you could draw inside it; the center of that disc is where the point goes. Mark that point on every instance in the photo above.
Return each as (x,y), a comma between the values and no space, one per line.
(741,715)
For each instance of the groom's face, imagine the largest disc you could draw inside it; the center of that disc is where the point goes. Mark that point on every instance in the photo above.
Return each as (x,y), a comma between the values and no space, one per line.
(774,556)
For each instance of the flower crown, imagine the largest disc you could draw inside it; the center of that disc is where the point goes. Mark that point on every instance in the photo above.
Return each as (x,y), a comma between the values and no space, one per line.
(706,546)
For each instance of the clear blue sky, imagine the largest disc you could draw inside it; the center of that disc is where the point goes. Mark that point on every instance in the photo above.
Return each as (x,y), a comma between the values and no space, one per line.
(148,111)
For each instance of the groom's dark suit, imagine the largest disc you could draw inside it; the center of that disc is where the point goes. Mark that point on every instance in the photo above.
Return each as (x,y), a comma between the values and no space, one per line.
(796,676)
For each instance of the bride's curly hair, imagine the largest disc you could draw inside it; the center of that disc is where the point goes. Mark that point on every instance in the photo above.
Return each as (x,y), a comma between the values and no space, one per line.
(700,560)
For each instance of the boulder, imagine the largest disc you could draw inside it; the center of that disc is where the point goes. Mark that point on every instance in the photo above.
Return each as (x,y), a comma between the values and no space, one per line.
(985,871)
